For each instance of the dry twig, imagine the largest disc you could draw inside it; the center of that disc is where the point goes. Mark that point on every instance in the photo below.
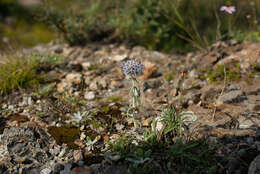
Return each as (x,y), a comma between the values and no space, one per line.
(222,91)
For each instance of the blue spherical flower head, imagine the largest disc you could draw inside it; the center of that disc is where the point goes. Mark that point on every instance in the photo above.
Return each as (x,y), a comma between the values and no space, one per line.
(132,67)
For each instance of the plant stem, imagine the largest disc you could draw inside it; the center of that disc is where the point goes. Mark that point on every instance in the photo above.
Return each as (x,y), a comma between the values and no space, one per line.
(229,26)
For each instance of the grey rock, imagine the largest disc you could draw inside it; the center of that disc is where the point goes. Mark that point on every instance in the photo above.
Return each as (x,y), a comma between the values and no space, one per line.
(3,169)
(248,122)
(66,169)
(31,171)
(235,96)
(82,170)
(254,167)
(57,168)
(257,144)
(30,147)
(116,169)
(77,155)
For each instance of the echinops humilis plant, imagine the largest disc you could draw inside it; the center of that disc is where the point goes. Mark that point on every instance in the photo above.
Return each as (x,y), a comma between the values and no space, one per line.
(131,68)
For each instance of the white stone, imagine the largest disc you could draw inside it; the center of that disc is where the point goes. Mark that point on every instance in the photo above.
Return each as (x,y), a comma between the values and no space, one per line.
(4,106)
(11,107)
(74,78)
(90,95)
(77,155)
(82,136)
(86,65)
(118,58)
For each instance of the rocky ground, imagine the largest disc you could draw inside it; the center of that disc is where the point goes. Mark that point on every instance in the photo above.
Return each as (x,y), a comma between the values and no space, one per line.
(63,127)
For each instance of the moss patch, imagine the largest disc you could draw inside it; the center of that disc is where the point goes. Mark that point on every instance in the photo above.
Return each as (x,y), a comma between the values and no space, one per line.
(65,134)
(217,74)
(169,76)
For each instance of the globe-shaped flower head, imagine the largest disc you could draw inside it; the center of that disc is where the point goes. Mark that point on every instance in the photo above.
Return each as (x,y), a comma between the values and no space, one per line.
(132,67)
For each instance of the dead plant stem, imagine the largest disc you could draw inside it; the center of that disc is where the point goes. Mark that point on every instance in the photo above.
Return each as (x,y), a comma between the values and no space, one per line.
(222,91)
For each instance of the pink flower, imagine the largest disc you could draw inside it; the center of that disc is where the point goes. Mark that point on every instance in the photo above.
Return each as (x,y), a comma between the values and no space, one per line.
(228,9)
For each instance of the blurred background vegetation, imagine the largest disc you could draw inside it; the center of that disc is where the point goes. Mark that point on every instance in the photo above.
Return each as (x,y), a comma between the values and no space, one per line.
(165,25)
(19,25)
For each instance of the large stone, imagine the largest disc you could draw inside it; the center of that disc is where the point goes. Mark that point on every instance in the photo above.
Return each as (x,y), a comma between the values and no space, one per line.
(248,122)
(28,146)
(77,155)
(148,70)
(82,170)
(254,167)
(235,96)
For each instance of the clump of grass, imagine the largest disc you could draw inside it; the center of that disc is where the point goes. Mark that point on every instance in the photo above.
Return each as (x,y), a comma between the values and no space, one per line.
(22,71)
(18,72)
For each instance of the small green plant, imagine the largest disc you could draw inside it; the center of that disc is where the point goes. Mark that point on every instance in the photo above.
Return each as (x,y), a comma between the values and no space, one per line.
(172,125)
(78,116)
(90,143)
(169,76)
(172,121)
(195,155)
(53,59)
(218,75)
(46,90)
(74,102)
(18,71)
(124,145)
